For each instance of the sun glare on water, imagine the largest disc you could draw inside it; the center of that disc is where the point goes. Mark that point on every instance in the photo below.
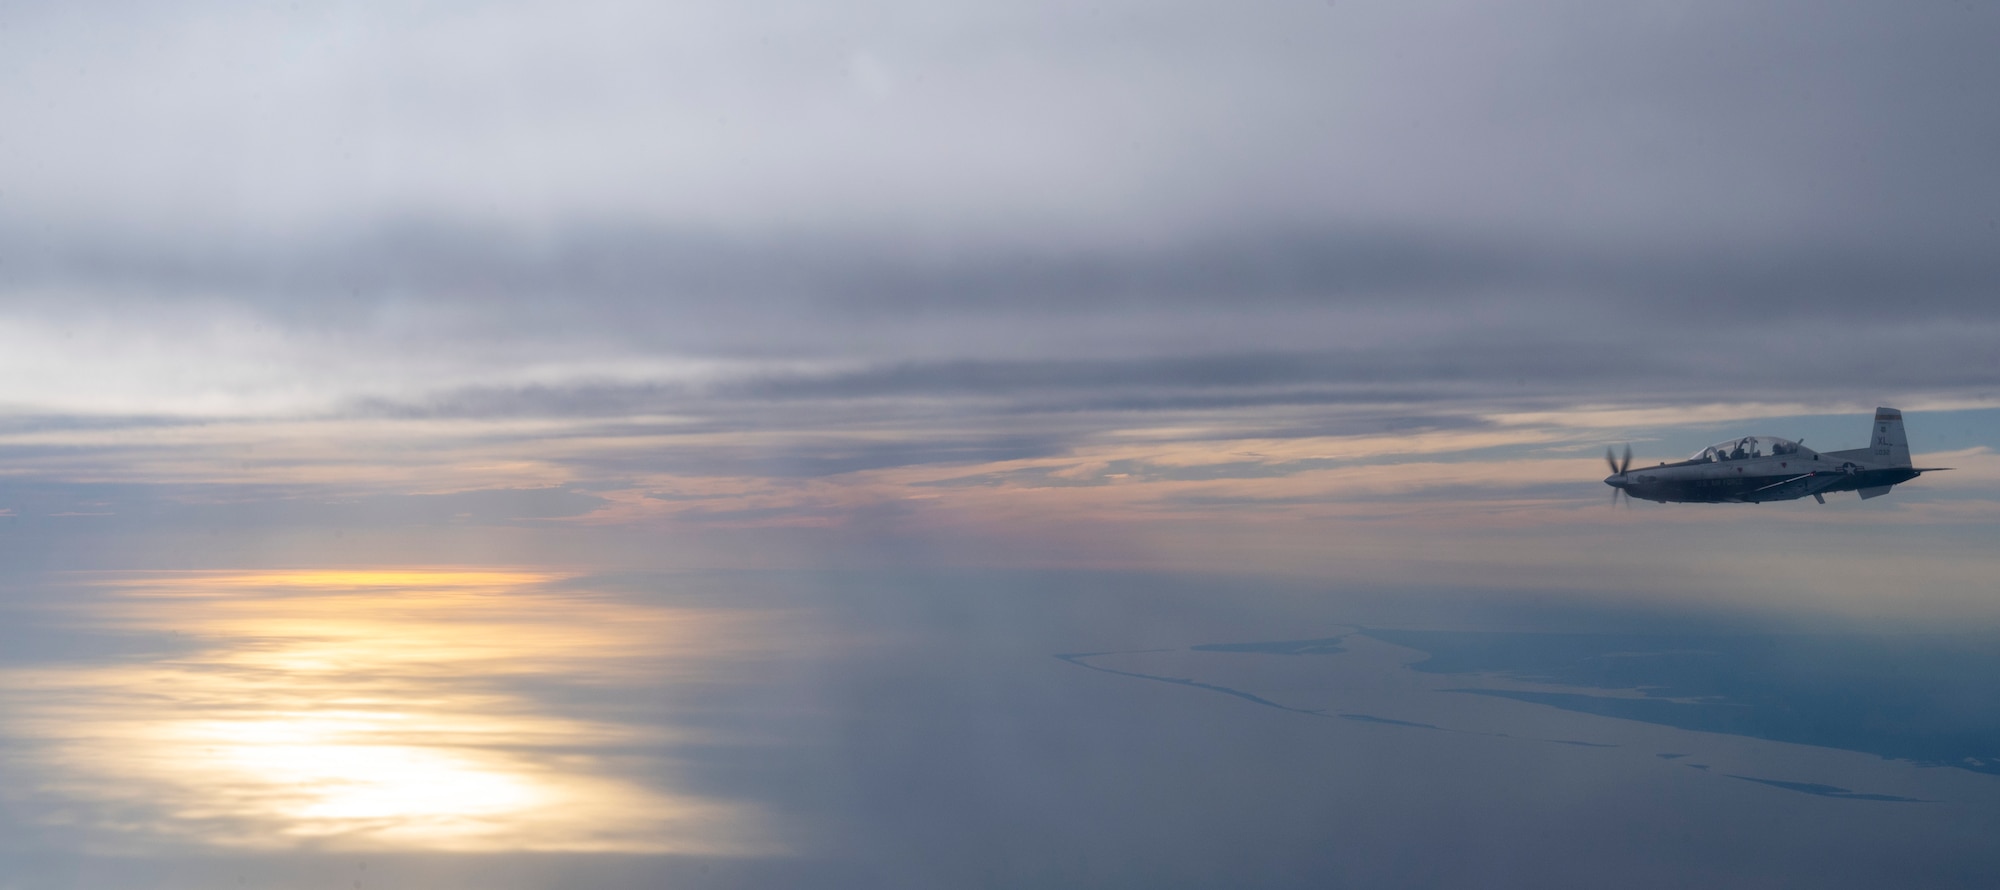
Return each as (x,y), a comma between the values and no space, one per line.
(371,710)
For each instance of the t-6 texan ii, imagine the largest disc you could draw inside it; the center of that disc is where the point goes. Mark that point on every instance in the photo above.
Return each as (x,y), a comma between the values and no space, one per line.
(1755,469)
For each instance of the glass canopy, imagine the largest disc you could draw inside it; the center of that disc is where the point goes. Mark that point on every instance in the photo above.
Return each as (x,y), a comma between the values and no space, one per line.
(1749,447)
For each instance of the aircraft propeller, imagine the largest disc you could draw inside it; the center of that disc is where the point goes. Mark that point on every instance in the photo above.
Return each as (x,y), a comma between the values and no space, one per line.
(1618,468)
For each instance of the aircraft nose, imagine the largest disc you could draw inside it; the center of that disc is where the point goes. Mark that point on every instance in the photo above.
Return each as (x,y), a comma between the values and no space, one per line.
(1615,480)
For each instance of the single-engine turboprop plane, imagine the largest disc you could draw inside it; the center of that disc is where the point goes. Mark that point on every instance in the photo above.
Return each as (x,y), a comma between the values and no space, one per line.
(1755,469)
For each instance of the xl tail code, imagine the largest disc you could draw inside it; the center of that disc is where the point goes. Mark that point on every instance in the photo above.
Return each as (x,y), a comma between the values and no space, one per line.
(1888,442)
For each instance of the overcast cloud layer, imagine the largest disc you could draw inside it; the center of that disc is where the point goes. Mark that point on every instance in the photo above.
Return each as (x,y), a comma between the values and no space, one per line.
(226,208)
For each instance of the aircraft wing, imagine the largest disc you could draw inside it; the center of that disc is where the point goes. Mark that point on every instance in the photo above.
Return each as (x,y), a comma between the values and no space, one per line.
(1783,483)
(1799,486)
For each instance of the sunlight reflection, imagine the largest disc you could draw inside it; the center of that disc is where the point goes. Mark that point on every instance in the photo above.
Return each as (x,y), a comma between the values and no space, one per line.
(373,710)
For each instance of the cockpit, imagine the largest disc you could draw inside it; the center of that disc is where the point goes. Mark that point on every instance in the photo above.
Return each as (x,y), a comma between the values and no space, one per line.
(1750,447)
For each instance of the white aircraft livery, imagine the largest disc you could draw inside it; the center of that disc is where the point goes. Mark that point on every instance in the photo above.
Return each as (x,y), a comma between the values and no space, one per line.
(1754,469)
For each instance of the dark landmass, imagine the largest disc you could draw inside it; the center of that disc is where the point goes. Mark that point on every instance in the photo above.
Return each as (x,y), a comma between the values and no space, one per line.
(1834,791)
(1077,658)
(1326,646)
(1933,700)
(1370,718)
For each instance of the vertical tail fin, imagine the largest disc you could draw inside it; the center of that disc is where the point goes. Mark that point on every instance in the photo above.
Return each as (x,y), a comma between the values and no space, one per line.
(1887,444)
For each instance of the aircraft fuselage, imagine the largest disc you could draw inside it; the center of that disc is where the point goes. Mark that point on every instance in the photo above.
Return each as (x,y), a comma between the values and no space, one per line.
(1755,469)
(1755,480)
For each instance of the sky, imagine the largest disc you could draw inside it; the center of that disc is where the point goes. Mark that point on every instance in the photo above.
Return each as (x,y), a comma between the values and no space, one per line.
(974,273)
(1341,294)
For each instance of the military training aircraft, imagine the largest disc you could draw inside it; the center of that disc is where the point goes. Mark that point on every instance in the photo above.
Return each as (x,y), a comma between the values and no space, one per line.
(1755,469)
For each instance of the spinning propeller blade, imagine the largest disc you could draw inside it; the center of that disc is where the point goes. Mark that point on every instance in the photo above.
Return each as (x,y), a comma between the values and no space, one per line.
(1618,468)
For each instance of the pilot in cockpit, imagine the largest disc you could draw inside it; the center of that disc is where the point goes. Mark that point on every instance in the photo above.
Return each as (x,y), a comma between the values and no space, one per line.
(1738,453)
